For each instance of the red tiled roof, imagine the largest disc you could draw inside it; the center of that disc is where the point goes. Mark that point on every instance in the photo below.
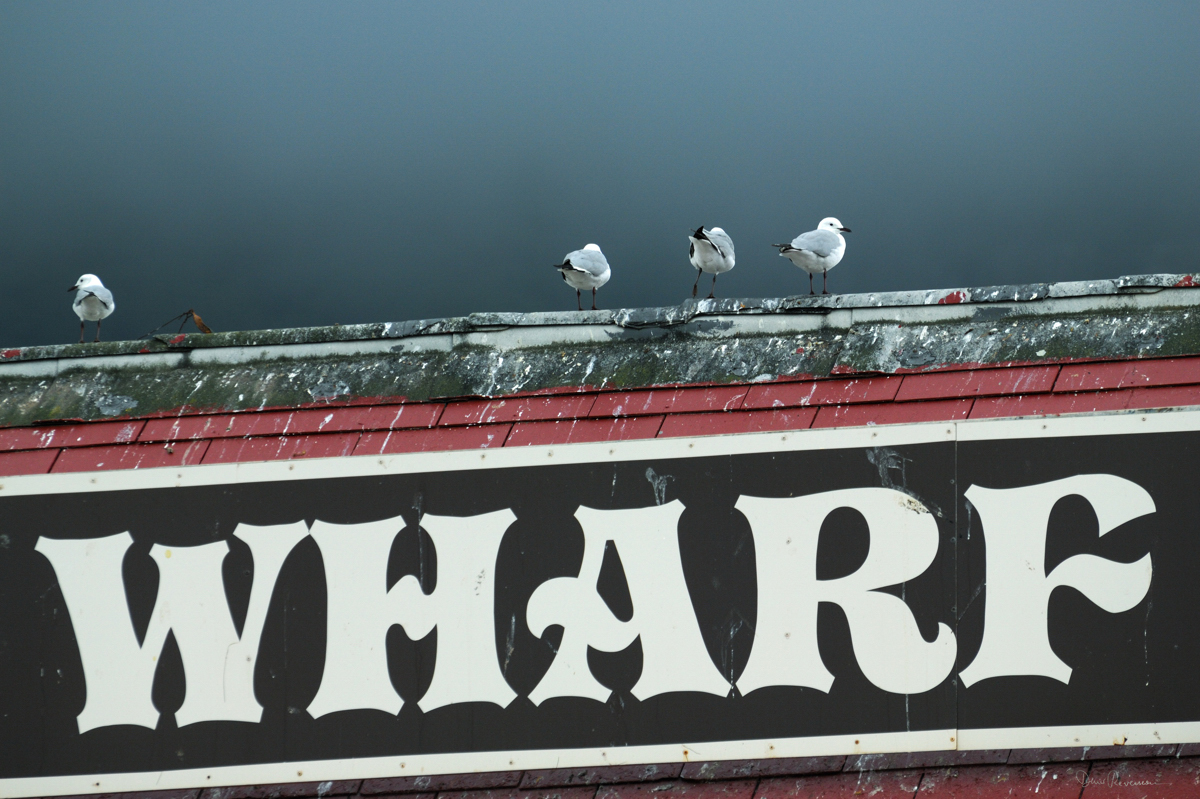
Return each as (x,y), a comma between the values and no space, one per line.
(1033,390)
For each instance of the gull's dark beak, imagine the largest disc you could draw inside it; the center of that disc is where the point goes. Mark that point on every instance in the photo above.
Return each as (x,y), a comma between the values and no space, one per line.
(74,288)
(699,234)
(844,229)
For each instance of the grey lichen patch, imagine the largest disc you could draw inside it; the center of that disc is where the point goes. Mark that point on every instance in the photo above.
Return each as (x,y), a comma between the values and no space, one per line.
(325,391)
(115,404)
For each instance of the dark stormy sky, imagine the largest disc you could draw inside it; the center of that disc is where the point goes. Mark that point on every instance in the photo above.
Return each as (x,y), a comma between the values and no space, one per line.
(298,163)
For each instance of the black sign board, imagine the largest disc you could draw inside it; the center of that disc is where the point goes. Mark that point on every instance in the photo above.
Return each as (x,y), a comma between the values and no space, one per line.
(821,592)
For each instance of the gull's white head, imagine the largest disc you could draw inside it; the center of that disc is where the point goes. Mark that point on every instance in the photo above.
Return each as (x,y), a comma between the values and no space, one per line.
(85,281)
(592,247)
(716,230)
(831,223)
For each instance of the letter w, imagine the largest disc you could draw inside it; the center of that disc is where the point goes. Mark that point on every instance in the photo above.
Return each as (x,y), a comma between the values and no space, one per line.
(218,665)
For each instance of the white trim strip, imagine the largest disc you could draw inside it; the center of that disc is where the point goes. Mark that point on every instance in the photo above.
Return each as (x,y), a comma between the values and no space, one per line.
(1175,732)
(476,762)
(1083,424)
(479,762)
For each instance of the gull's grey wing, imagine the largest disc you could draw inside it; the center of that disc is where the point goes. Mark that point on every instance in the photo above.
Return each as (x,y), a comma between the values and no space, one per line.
(104,295)
(590,261)
(818,242)
(722,242)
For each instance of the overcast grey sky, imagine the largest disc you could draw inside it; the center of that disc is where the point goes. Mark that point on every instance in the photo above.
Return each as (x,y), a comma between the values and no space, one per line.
(299,163)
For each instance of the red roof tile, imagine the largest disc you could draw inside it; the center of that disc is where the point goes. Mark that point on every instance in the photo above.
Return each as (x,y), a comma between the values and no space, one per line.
(1123,374)
(268,448)
(938,758)
(732,789)
(31,461)
(517,793)
(1002,782)
(89,434)
(669,400)
(873,784)
(560,406)
(715,424)
(769,767)
(441,782)
(823,392)
(85,434)
(1165,397)
(1050,404)
(130,456)
(184,428)
(335,419)
(1087,402)
(574,432)
(977,382)
(600,775)
(16,438)
(433,440)
(293,790)
(893,413)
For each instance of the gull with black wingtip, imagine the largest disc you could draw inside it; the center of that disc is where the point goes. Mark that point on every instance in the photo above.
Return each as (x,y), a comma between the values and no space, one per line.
(93,302)
(817,250)
(711,251)
(585,269)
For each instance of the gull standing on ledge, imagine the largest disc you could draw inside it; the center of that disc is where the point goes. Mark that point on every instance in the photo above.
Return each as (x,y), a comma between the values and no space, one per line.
(92,303)
(585,269)
(712,252)
(817,250)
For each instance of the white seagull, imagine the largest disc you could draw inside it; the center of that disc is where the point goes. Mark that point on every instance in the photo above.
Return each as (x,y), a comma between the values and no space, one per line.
(817,250)
(712,252)
(585,269)
(92,303)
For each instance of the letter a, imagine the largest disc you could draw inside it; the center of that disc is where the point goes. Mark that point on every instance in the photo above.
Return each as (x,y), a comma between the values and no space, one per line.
(1016,637)
(674,657)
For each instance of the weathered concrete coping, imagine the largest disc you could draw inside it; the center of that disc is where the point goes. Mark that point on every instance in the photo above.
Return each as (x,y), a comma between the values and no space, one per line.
(710,342)
(907,307)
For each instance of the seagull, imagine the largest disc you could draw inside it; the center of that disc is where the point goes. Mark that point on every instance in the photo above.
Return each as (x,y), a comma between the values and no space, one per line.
(711,251)
(92,303)
(817,250)
(585,269)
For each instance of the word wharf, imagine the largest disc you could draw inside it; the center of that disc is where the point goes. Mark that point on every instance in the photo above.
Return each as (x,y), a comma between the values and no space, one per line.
(218,661)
